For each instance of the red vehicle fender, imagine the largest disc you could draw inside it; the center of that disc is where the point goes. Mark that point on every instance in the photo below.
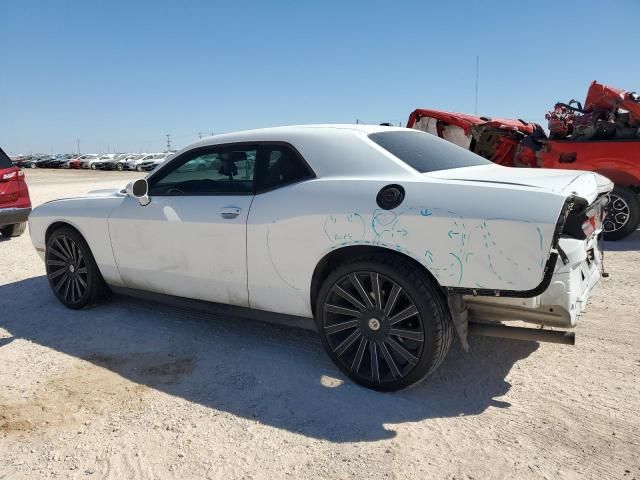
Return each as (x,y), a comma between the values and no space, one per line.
(617,160)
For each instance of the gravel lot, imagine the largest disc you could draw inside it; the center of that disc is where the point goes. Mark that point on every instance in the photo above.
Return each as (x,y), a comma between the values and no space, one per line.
(132,389)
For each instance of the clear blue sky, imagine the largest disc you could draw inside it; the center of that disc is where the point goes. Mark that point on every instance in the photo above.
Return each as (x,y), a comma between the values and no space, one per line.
(120,74)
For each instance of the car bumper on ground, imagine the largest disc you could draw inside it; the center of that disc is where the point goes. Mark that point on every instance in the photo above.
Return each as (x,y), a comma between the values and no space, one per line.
(9,216)
(564,300)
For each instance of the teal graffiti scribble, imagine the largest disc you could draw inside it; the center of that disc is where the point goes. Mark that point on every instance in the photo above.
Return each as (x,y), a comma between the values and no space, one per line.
(539,237)
(460,264)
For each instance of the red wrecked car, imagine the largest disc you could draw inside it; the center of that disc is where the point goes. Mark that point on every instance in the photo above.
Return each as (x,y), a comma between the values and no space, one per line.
(603,136)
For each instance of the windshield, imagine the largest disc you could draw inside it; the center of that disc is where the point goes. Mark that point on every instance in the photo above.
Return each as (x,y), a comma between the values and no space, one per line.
(426,152)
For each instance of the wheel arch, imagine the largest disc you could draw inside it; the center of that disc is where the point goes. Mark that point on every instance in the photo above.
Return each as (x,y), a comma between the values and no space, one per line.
(341,255)
(57,225)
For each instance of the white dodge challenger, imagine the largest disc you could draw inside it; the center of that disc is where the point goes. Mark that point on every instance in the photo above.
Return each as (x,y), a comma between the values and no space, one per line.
(393,240)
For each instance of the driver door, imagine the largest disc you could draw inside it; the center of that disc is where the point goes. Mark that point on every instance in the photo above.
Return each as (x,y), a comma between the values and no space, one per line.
(190,240)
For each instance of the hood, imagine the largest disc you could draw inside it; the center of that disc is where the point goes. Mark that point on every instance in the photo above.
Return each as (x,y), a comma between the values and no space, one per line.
(105,192)
(588,185)
(468,122)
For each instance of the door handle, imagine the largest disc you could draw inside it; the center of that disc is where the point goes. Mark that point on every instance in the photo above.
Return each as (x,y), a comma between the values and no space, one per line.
(230,212)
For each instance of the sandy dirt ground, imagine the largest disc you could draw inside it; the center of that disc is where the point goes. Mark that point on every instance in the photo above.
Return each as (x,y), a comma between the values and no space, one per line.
(132,389)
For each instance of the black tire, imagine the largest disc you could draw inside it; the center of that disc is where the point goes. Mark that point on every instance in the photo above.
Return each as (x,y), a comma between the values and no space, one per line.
(406,350)
(13,230)
(93,166)
(623,214)
(33,165)
(72,271)
(138,168)
(119,167)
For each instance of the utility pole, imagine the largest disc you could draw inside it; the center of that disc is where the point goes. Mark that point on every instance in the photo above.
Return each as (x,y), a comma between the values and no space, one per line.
(78,140)
(477,69)
(199,134)
(168,135)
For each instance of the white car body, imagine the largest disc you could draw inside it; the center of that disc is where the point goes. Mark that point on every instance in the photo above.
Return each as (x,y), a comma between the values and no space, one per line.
(120,163)
(155,161)
(105,158)
(486,233)
(132,163)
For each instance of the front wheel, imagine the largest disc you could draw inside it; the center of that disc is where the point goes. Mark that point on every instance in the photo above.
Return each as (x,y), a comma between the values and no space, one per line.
(33,165)
(138,168)
(72,271)
(93,166)
(623,214)
(383,322)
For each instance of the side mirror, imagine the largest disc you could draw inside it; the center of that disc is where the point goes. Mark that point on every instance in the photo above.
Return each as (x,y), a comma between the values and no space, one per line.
(139,189)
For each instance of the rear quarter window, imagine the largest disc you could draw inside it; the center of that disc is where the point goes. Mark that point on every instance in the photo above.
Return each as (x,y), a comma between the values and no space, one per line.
(5,161)
(425,152)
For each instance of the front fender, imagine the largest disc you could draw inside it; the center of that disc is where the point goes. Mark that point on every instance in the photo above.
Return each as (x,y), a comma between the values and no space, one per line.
(88,216)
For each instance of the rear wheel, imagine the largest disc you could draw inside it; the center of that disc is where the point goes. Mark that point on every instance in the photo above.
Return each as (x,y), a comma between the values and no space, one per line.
(119,166)
(33,165)
(139,168)
(14,230)
(93,166)
(383,322)
(623,214)
(72,271)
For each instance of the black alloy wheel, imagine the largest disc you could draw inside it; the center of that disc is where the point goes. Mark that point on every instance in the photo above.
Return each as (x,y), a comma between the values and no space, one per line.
(384,326)
(622,214)
(71,270)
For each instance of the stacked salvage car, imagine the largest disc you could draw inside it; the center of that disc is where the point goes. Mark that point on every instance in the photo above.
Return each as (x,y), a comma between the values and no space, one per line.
(608,114)
(602,136)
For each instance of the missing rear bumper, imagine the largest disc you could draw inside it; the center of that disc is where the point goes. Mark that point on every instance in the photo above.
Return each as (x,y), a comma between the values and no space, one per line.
(520,333)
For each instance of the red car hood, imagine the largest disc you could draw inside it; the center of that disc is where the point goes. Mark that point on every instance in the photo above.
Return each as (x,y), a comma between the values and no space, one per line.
(467,122)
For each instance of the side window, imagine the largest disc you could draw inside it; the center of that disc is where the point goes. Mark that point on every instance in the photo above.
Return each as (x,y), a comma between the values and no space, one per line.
(281,166)
(212,171)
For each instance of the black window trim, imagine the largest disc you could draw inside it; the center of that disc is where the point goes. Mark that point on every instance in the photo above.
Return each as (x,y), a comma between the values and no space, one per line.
(259,148)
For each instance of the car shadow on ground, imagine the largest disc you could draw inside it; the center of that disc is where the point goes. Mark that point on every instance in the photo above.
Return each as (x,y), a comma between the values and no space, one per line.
(277,375)
(628,244)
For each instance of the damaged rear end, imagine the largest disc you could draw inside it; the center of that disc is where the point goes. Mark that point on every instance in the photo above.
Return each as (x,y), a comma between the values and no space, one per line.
(573,267)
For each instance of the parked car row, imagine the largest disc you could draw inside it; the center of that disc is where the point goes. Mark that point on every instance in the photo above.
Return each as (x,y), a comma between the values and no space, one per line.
(109,161)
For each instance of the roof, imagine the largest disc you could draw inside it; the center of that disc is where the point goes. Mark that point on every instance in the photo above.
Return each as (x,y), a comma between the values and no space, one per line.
(276,133)
(338,150)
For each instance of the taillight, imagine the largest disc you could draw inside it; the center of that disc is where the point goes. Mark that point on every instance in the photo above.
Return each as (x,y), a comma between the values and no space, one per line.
(584,220)
(10,175)
(590,224)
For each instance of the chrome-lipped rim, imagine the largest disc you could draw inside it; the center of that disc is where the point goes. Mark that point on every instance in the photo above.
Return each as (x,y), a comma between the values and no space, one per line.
(373,327)
(67,269)
(617,213)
